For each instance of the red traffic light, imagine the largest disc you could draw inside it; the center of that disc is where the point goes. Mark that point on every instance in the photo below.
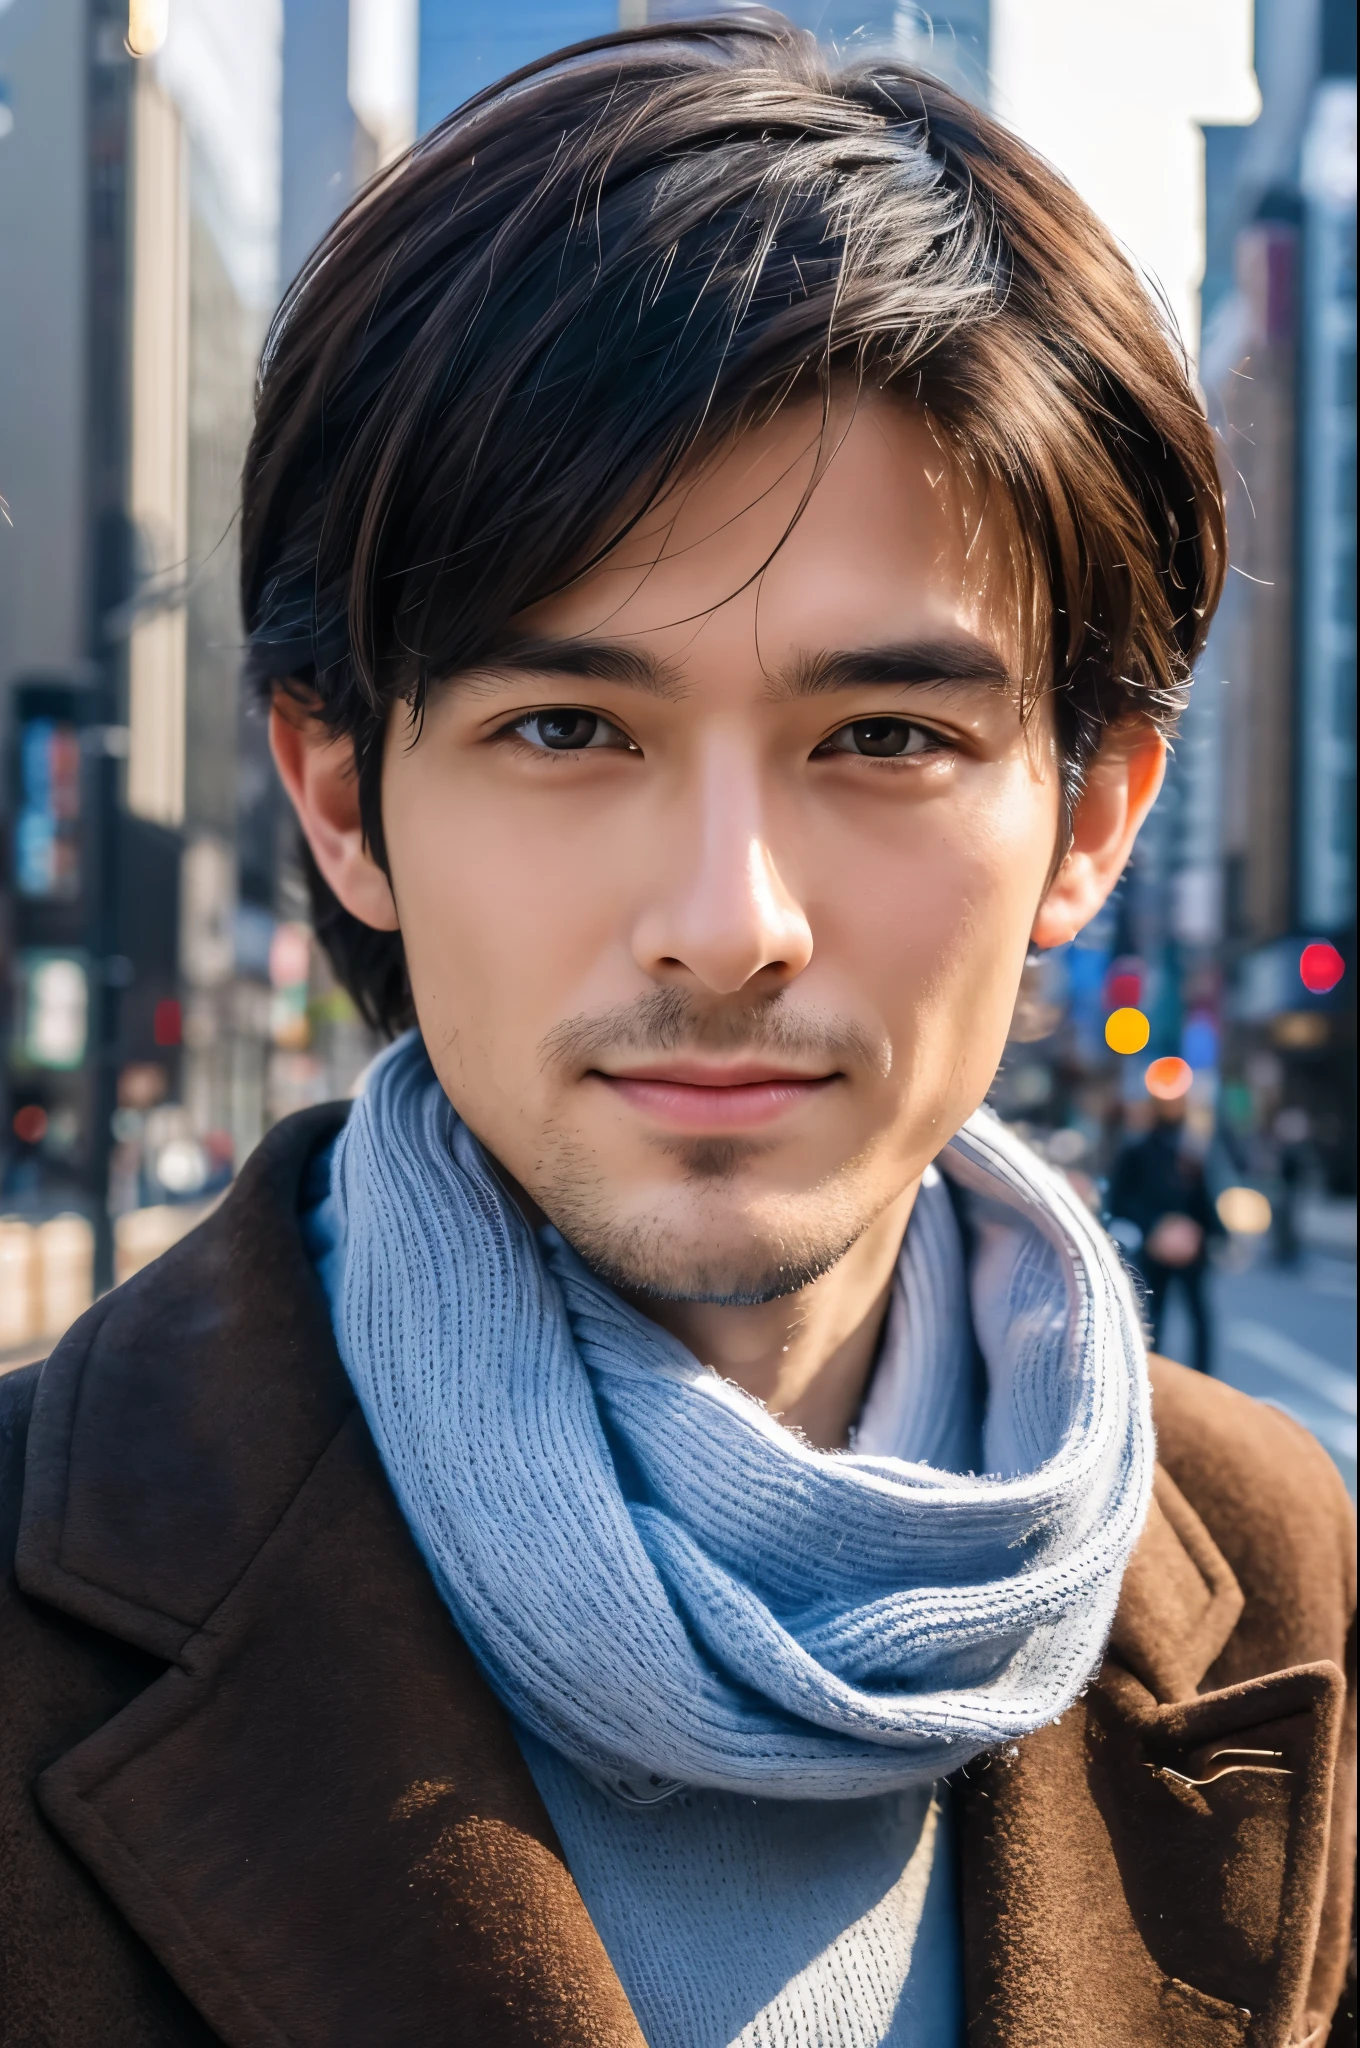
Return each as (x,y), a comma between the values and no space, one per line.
(1320,968)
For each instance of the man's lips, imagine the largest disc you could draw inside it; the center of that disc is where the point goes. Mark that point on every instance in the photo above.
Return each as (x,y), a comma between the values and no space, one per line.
(692,1096)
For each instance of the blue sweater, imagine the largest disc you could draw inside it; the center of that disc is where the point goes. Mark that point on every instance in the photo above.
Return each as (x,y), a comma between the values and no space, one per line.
(770,1922)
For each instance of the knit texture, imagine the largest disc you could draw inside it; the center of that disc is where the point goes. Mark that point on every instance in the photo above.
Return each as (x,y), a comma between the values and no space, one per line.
(662,1583)
(770,1923)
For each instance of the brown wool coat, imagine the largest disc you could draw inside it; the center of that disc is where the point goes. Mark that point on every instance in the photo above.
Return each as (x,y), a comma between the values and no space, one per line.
(252,1789)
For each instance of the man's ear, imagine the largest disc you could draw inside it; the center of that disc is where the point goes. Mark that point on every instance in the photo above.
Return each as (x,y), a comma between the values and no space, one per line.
(318,772)
(1121,788)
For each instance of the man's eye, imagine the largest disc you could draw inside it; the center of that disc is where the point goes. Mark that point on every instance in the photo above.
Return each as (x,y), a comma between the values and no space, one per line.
(880,739)
(569,731)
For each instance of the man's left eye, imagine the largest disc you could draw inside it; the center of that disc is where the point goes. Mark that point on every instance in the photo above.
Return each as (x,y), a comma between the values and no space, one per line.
(880,739)
(570,731)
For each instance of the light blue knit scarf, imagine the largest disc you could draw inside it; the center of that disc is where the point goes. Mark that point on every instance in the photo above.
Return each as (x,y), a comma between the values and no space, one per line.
(655,1576)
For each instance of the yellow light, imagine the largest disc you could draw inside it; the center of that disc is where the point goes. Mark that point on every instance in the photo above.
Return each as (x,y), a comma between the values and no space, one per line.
(1127,1031)
(148,26)
(1244,1211)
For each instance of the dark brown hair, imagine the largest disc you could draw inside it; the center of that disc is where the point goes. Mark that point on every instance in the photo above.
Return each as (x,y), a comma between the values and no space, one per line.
(515,336)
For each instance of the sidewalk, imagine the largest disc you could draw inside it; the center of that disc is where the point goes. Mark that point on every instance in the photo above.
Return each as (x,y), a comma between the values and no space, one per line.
(1287,1335)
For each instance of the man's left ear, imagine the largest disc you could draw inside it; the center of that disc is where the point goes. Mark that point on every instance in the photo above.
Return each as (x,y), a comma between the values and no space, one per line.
(1121,788)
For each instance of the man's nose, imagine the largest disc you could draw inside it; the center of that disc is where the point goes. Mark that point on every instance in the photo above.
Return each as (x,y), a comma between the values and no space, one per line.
(720,909)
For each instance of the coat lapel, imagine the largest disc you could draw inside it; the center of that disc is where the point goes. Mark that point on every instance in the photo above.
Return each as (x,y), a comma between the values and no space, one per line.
(1124,1878)
(317,1816)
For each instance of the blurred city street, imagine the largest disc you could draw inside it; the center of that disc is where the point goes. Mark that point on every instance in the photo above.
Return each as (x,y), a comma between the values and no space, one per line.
(1287,1335)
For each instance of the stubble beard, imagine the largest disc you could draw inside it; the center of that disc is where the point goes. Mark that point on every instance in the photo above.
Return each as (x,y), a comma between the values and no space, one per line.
(715,1244)
(720,1238)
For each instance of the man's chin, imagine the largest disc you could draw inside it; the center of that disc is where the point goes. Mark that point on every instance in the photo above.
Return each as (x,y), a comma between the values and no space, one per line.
(719,1281)
(651,1260)
(727,1241)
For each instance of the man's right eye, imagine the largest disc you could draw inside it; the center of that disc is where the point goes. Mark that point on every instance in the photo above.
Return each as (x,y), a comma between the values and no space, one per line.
(570,731)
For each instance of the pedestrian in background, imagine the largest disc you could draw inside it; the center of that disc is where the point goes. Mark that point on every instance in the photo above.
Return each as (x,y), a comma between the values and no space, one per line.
(1159,1186)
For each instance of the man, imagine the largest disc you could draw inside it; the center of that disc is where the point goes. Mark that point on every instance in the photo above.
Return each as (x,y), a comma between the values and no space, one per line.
(1159,1188)
(646,1528)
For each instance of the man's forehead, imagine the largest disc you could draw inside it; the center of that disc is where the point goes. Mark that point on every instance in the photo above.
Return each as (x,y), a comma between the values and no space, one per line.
(809,565)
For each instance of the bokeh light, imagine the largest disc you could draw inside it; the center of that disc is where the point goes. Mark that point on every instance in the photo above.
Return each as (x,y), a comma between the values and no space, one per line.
(148,26)
(1127,1031)
(1320,968)
(1244,1211)
(30,1124)
(1199,1041)
(167,1022)
(1168,1079)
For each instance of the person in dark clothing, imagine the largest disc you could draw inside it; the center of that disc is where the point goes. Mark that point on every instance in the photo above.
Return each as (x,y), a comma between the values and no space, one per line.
(1158,1185)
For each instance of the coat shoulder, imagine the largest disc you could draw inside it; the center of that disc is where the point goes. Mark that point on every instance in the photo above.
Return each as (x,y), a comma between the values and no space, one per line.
(17,1392)
(178,1417)
(1274,1503)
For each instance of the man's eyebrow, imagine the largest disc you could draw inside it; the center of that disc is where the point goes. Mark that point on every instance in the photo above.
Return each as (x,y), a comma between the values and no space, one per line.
(959,660)
(596,661)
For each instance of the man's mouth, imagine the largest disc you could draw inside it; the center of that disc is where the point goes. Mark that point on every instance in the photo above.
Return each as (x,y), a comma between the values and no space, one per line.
(712,1096)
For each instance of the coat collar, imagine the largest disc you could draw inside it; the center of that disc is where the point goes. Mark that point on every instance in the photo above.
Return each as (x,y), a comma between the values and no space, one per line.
(317,1816)
(1179,1602)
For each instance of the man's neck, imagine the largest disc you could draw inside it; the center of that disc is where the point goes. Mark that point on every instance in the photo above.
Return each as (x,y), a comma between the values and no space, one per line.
(808,1355)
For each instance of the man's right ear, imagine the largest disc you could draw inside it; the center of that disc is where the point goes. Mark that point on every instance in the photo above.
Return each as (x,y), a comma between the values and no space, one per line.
(318,772)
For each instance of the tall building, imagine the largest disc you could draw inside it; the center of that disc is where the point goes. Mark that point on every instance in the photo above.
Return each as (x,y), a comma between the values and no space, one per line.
(162,171)
(44,239)
(1276,696)
(1326,521)
(139,220)
(1254,645)
(86,885)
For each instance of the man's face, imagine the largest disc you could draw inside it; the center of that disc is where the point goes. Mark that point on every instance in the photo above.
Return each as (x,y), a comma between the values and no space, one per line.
(715,892)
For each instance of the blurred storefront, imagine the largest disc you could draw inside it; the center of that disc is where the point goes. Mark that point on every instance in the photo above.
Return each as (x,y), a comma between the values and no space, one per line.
(165,1002)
